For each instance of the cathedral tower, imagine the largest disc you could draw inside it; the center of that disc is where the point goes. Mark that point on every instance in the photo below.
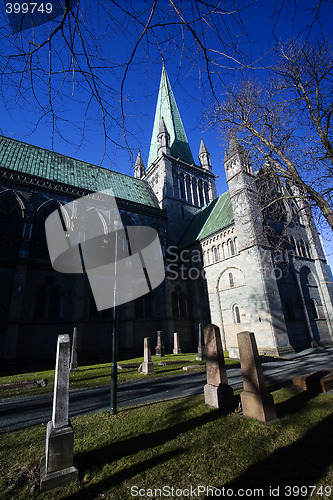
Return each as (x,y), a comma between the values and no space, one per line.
(181,185)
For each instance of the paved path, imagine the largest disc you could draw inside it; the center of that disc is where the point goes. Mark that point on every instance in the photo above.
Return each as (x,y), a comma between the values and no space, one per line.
(25,411)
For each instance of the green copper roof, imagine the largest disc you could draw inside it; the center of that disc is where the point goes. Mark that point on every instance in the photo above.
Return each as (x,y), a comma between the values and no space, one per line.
(167,108)
(22,157)
(210,219)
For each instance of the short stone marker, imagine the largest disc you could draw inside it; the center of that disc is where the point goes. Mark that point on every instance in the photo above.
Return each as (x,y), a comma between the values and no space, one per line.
(147,366)
(176,344)
(160,349)
(326,382)
(311,381)
(201,347)
(257,403)
(190,368)
(56,468)
(218,394)
(73,366)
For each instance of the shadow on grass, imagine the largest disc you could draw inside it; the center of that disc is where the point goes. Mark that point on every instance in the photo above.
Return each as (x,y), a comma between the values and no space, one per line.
(101,456)
(295,403)
(293,465)
(93,490)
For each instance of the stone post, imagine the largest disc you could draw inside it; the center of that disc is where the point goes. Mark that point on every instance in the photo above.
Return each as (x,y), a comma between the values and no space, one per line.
(176,344)
(147,366)
(218,394)
(160,349)
(201,348)
(257,403)
(73,365)
(57,465)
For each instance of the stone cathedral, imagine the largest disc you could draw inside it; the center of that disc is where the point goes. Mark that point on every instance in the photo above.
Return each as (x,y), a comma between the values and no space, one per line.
(228,259)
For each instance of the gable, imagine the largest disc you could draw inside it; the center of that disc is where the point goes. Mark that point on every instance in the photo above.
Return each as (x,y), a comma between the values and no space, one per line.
(215,216)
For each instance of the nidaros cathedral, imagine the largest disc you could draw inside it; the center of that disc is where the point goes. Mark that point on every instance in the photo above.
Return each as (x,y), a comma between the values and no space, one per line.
(221,265)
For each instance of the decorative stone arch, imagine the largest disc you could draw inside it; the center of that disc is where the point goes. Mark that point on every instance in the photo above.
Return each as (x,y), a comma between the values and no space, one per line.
(11,205)
(237,276)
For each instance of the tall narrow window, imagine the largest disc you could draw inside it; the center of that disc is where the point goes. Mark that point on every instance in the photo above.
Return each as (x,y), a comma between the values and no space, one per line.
(236,314)
(232,247)
(231,280)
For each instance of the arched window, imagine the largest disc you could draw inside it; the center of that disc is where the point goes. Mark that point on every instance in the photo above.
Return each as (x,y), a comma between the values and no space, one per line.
(308,251)
(194,190)
(188,189)
(223,251)
(235,244)
(231,280)
(231,247)
(215,254)
(293,245)
(201,194)
(299,251)
(208,256)
(236,314)
(303,249)
(181,186)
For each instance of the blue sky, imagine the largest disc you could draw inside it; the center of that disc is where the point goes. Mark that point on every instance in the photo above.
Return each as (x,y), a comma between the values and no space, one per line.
(18,117)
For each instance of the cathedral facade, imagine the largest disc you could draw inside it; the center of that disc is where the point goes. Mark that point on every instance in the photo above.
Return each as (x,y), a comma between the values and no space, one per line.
(223,262)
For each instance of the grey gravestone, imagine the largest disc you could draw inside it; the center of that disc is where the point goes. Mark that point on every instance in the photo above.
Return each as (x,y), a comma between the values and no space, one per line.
(176,344)
(147,366)
(218,394)
(73,365)
(201,348)
(257,403)
(160,349)
(57,468)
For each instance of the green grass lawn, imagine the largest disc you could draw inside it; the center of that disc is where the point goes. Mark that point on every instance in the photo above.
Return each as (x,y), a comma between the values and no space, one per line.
(98,375)
(183,444)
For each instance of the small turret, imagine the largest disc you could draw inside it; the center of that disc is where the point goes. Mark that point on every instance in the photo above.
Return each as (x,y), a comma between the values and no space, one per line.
(163,139)
(236,160)
(204,156)
(139,168)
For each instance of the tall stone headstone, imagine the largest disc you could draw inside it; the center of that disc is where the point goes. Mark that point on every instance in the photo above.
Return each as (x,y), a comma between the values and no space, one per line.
(176,344)
(57,467)
(218,394)
(147,366)
(160,349)
(257,403)
(201,347)
(74,366)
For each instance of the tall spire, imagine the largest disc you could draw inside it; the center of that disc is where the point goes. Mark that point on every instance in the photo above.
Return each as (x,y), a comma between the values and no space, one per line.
(167,108)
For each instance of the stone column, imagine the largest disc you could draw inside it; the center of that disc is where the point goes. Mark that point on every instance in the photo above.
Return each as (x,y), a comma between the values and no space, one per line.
(176,344)
(218,394)
(56,468)
(201,347)
(160,349)
(73,365)
(147,366)
(256,401)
